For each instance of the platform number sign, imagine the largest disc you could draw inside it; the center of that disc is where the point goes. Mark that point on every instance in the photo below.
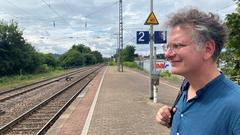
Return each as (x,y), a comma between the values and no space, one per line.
(160,37)
(143,37)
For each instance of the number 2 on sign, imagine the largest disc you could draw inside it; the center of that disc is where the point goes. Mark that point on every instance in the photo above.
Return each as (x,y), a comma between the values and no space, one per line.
(141,38)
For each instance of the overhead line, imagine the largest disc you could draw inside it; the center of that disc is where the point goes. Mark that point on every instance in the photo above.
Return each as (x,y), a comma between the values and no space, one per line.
(226,7)
(68,6)
(17,6)
(53,10)
(131,40)
(101,8)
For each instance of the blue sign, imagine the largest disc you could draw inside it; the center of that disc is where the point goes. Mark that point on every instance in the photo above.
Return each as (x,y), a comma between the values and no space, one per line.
(160,37)
(143,37)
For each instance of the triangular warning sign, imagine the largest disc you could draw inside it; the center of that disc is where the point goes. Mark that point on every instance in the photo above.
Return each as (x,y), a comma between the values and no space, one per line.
(151,20)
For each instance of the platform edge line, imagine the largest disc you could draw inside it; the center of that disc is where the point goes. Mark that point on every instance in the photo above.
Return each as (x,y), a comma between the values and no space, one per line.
(90,114)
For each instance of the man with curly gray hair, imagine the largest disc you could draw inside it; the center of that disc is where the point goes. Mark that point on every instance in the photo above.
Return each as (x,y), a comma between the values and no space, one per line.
(208,102)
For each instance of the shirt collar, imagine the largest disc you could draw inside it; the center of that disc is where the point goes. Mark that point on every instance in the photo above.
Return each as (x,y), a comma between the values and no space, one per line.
(213,82)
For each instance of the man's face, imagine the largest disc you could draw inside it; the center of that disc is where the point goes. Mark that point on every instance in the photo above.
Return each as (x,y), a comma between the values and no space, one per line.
(182,52)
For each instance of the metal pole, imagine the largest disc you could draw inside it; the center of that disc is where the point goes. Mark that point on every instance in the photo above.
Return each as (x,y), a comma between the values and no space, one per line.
(154,58)
(120,64)
(118,50)
(151,56)
(117,54)
(155,88)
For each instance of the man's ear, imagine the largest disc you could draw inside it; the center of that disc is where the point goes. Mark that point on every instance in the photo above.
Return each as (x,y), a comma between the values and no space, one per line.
(209,47)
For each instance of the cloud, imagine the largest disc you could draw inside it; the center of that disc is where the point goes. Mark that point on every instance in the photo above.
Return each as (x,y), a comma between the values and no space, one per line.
(54,26)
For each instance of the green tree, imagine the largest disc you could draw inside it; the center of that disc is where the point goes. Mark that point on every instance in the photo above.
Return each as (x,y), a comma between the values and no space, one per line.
(98,56)
(81,48)
(231,56)
(80,55)
(128,53)
(16,56)
(160,56)
(50,60)
(89,59)
(72,58)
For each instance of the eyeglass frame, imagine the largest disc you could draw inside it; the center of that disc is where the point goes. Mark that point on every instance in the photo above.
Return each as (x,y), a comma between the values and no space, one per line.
(174,47)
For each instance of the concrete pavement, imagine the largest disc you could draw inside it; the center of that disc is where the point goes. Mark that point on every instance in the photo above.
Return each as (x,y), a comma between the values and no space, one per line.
(122,106)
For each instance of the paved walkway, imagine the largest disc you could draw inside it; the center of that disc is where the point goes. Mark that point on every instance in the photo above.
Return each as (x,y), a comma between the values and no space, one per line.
(120,107)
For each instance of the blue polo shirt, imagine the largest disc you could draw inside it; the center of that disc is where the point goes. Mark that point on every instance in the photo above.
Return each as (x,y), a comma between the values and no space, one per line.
(214,111)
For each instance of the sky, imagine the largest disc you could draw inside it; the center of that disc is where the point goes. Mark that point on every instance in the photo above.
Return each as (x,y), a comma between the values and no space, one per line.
(53,26)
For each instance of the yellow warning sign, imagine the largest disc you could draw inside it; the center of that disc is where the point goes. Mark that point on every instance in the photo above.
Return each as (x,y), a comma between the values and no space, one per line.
(151,20)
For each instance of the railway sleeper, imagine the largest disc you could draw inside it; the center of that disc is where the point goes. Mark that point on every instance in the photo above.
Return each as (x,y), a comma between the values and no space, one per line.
(37,119)
(55,105)
(27,131)
(59,105)
(29,126)
(17,134)
(47,111)
(42,115)
(28,123)
(51,109)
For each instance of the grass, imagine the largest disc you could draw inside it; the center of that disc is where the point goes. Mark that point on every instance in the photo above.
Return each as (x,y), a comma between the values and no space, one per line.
(112,63)
(164,73)
(9,82)
(167,75)
(132,65)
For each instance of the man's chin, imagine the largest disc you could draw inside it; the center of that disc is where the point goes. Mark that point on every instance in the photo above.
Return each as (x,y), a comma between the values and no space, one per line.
(175,71)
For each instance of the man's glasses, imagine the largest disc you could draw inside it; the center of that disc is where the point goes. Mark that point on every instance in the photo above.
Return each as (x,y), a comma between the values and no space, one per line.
(173,47)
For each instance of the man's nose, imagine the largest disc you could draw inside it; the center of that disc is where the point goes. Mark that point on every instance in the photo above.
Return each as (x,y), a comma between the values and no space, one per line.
(169,54)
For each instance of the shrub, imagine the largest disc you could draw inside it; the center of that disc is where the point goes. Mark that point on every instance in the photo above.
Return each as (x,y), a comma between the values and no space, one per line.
(43,68)
(112,63)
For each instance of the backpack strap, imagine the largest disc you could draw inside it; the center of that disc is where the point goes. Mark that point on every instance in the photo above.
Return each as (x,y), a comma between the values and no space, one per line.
(177,99)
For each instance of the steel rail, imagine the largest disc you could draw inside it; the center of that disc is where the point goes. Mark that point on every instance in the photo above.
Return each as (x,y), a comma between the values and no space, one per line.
(38,86)
(58,114)
(44,103)
(24,86)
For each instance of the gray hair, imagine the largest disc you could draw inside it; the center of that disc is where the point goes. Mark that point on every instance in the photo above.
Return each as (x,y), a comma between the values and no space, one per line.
(206,27)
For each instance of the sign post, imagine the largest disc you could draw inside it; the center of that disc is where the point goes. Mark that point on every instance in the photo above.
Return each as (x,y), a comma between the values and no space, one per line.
(145,37)
(151,20)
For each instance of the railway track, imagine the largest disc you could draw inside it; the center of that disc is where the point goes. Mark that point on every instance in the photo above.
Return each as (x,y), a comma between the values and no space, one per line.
(39,118)
(8,94)
(20,103)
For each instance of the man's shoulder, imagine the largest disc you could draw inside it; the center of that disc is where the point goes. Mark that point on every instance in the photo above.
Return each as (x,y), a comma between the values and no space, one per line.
(231,85)
(231,89)
(232,97)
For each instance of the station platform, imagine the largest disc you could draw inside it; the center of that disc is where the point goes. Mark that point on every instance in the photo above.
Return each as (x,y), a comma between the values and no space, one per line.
(116,103)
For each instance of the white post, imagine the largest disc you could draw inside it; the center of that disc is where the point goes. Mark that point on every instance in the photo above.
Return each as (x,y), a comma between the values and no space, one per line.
(155,91)
(155,88)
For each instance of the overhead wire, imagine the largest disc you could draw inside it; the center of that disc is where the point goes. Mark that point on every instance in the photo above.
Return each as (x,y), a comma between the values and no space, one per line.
(96,11)
(24,11)
(21,9)
(26,18)
(68,6)
(54,11)
(58,14)
(225,8)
